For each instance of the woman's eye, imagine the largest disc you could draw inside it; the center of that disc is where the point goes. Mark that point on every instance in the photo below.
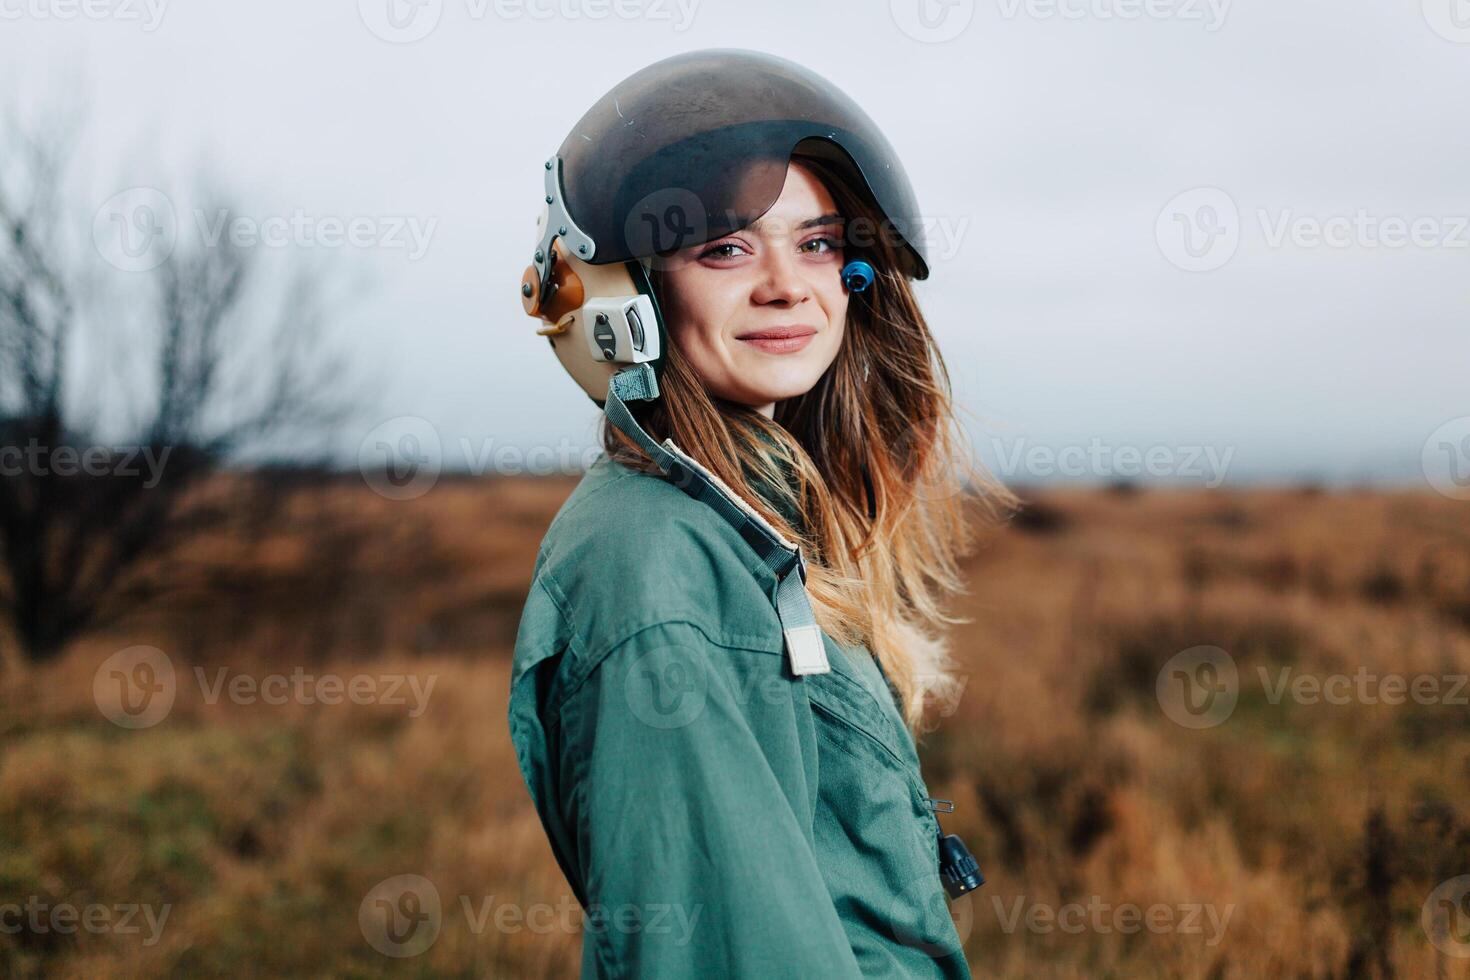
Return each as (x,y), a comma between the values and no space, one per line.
(718,251)
(828,242)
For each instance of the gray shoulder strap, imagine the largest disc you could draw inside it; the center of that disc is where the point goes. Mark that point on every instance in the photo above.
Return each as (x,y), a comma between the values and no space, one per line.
(804,646)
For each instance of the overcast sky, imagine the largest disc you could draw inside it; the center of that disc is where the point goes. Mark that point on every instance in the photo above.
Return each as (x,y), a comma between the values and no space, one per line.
(1133,240)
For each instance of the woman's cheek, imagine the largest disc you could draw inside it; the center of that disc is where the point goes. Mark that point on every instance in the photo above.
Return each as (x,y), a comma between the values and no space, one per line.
(838,335)
(702,347)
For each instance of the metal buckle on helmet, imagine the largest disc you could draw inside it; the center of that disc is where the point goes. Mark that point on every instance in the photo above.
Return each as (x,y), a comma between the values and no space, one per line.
(559,224)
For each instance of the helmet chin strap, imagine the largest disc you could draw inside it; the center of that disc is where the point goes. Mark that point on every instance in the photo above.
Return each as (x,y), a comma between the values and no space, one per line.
(805,647)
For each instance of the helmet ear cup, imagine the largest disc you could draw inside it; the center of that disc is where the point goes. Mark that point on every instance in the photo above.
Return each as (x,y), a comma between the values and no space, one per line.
(615,323)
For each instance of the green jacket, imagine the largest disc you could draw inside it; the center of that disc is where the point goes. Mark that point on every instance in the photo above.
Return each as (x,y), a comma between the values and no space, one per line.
(714,814)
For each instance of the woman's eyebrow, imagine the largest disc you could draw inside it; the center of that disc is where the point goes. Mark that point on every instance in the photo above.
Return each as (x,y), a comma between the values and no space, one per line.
(831,218)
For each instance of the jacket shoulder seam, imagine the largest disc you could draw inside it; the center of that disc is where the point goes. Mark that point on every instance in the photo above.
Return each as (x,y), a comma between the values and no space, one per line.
(587,665)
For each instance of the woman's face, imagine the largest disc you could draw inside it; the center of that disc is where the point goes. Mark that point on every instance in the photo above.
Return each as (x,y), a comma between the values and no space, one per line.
(760,313)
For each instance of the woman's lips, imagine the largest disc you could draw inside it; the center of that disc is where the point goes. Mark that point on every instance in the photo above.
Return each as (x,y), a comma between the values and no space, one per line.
(779,341)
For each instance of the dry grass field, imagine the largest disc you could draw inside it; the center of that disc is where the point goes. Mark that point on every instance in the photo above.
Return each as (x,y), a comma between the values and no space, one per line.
(1294,836)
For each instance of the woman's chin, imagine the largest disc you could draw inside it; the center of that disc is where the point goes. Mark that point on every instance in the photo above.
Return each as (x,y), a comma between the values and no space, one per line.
(779,381)
(768,395)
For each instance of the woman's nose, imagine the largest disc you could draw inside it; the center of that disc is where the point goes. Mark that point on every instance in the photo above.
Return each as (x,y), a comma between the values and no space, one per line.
(781,280)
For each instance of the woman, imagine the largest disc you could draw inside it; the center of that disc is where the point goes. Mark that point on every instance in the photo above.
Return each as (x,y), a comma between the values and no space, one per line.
(730,637)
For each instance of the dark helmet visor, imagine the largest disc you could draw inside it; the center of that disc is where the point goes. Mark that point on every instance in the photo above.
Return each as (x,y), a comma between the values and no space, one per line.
(696,147)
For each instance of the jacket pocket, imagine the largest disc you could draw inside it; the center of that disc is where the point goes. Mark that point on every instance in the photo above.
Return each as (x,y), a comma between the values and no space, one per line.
(879,837)
(863,732)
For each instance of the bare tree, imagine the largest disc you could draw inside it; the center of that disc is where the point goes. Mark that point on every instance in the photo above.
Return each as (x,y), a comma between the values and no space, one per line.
(86,518)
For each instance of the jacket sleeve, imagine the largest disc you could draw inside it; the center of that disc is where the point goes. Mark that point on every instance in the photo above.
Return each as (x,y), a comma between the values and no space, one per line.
(694,860)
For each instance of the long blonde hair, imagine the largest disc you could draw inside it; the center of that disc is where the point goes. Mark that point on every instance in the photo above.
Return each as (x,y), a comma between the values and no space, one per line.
(869,462)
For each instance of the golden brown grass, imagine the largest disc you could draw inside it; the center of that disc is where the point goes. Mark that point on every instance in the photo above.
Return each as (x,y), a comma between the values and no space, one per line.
(263,827)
